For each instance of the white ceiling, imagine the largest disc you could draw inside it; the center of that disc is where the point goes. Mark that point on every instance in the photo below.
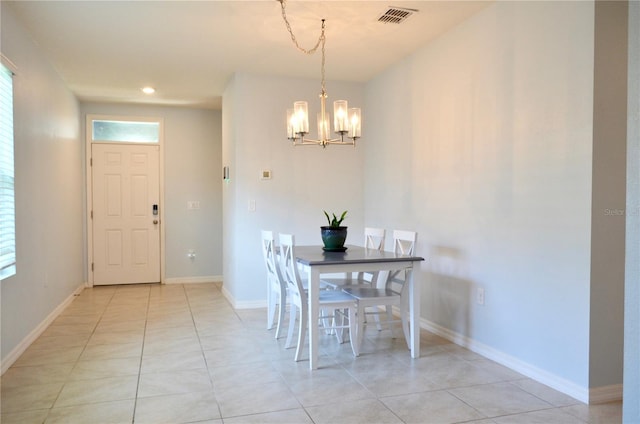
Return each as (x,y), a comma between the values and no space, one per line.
(107,50)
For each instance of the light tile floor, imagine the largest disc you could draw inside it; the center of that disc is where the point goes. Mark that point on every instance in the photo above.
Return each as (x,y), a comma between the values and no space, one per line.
(181,354)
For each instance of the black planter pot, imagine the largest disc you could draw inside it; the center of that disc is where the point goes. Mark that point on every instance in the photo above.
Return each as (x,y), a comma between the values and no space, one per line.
(333,238)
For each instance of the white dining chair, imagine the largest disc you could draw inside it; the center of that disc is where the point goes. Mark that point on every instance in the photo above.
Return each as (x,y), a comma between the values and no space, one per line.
(335,301)
(379,301)
(276,287)
(374,239)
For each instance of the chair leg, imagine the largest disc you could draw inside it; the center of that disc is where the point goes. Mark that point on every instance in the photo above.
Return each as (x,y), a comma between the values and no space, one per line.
(336,321)
(405,329)
(390,320)
(292,324)
(346,315)
(326,322)
(302,332)
(339,324)
(271,308)
(359,330)
(376,317)
(404,316)
(281,310)
(353,331)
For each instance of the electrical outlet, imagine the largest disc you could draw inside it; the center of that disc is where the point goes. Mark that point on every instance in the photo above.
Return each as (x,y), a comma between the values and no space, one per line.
(480,296)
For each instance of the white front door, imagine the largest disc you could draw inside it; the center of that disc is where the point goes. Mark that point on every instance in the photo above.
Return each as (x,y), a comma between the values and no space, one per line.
(126,213)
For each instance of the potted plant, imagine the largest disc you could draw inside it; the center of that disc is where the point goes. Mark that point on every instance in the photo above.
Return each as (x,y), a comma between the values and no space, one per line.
(334,234)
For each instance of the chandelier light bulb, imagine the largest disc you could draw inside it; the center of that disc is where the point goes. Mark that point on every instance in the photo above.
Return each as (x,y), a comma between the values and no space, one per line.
(292,124)
(340,117)
(355,123)
(323,126)
(302,116)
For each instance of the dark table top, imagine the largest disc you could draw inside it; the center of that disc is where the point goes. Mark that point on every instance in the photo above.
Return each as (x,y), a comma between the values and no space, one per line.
(315,255)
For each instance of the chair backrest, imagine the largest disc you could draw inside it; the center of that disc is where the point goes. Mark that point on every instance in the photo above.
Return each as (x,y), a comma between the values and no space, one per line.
(374,238)
(404,243)
(270,259)
(289,268)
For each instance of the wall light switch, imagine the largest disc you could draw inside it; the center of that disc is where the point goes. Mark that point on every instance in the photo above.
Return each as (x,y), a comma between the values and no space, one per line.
(252,205)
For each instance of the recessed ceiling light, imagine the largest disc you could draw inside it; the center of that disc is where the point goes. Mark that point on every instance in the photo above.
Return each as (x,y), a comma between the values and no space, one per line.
(148,90)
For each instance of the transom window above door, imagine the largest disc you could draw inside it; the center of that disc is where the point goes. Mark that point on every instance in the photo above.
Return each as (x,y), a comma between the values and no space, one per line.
(124,131)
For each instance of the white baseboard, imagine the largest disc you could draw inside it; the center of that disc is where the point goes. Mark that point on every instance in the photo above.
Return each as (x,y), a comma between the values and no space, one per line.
(251,305)
(36,332)
(227,295)
(194,280)
(583,394)
(254,304)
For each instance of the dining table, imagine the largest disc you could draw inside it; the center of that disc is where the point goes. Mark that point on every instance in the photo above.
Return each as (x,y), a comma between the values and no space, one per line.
(316,261)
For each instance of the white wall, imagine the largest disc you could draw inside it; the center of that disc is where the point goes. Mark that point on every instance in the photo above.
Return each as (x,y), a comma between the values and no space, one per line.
(482,142)
(631,404)
(49,191)
(192,171)
(306,180)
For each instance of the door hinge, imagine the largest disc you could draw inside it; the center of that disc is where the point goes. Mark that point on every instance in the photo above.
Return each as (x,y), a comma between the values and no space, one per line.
(91,266)
(90,161)
(91,214)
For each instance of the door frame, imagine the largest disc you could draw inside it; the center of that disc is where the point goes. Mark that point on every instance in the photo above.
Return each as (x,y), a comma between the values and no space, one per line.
(89,185)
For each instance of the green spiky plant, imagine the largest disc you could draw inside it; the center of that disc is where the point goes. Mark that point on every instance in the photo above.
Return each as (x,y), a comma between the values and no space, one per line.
(335,221)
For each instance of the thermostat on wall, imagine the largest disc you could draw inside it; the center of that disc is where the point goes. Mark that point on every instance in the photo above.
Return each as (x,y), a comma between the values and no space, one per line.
(265,174)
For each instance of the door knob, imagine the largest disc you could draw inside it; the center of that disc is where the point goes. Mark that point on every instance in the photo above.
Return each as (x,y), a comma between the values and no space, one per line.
(155,221)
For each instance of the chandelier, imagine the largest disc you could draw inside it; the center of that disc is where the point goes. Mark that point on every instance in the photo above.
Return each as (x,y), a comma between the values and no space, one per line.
(346,121)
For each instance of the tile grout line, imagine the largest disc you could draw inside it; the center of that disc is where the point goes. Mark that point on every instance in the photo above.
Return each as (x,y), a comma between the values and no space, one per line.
(204,357)
(75,363)
(144,337)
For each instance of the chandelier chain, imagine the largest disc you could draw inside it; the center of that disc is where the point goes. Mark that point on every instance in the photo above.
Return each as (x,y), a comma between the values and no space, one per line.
(321,41)
(324,92)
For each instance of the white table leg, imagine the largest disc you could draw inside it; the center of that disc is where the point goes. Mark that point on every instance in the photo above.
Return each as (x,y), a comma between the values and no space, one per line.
(414,314)
(314,312)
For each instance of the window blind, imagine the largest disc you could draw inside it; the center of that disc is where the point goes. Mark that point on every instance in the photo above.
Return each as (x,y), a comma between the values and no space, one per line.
(7,175)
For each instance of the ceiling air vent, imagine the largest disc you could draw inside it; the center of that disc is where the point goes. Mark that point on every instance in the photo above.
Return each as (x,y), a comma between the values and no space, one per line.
(396,15)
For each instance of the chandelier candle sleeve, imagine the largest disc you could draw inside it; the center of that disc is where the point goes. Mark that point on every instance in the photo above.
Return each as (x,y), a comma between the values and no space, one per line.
(323,126)
(340,117)
(302,117)
(291,124)
(355,123)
